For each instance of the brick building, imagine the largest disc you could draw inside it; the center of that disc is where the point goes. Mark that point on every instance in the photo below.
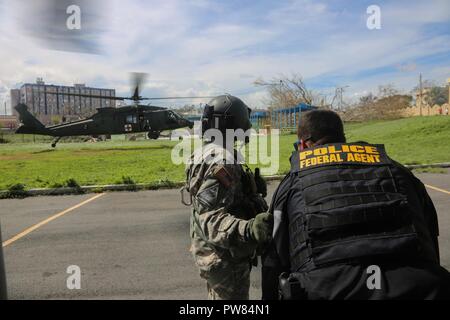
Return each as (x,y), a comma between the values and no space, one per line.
(50,103)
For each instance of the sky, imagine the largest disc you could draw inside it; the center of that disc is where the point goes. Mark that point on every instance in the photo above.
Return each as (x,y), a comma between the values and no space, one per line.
(206,47)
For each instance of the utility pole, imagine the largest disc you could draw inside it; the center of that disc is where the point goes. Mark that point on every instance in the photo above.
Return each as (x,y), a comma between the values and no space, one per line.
(5,108)
(420,93)
(339,95)
(283,98)
(283,105)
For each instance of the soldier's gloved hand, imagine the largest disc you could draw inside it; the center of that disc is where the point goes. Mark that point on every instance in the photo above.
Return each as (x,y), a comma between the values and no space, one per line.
(260,228)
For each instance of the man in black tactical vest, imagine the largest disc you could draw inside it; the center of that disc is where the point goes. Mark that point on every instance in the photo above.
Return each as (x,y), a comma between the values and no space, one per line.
(350,223)
(3,295)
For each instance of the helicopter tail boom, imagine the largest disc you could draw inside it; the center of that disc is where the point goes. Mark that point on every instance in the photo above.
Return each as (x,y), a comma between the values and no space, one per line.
(30,125)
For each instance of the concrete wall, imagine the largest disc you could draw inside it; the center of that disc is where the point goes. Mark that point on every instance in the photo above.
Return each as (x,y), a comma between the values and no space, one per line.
(426,110)
(9,122)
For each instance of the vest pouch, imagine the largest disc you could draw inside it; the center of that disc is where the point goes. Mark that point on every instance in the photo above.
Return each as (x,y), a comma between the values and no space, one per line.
(380,228)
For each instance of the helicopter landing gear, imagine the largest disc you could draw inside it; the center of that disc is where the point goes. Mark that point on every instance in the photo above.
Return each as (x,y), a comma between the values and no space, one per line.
(153,135)
(55,142)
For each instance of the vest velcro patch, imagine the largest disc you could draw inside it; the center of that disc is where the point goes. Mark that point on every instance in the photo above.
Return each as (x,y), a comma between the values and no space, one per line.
(341,153)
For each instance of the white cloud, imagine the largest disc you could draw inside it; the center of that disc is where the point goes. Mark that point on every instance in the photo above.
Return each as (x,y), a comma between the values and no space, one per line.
(205,48)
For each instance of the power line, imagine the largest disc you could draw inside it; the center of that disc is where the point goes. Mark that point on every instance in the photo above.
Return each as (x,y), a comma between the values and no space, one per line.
(339,96)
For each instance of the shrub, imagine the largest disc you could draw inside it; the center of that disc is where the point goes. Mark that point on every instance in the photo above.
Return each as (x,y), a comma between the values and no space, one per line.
(16,191)
(55,185)
(127,180)
(72,183)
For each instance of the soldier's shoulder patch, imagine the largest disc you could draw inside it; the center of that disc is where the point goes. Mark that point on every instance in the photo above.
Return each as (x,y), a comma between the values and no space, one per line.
(223,175)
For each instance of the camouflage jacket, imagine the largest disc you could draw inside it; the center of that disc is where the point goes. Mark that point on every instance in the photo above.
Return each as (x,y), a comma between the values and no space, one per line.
(223,199)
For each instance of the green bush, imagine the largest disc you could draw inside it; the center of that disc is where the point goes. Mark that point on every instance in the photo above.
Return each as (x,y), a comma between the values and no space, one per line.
(131,184)
(166,183)
(162,183)
(16,187)
(127,180)
(15,191)
(55,185)
(72,183)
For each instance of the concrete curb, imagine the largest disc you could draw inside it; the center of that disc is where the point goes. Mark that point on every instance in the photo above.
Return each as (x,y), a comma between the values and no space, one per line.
(151,186)
(92,189)
(433,165)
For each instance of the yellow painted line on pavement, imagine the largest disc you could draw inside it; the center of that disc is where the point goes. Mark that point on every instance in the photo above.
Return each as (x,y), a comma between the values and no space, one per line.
(60,214)
(44,222)
(437,189)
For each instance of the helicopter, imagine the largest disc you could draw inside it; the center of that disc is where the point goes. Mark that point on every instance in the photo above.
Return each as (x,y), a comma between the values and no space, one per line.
(109,120)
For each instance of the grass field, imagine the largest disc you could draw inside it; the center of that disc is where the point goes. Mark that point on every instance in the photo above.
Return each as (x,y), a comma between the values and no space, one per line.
(409,141)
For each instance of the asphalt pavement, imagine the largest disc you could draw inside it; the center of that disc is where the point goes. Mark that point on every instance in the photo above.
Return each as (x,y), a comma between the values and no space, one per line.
(128,245)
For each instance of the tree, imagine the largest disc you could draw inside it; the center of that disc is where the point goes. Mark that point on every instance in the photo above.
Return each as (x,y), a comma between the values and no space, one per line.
(190,108)
(390,107)
(287,91)
(425,84)
(437,95)
(387,90)
(367,99)
(389,104)
(433,93)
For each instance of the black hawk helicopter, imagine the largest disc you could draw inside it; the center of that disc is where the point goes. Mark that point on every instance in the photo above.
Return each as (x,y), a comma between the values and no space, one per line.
(109,120)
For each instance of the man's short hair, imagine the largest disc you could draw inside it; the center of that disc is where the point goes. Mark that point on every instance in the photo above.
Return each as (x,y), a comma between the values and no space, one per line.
(321,126)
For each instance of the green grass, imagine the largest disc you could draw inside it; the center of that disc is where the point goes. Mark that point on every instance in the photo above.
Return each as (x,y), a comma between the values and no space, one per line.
(36,165)
(410,141)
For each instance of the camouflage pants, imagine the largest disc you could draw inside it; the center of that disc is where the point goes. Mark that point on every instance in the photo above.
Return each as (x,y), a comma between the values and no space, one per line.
(234,284)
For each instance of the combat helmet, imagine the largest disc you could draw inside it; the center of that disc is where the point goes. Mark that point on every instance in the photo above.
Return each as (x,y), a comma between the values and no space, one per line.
(226,112)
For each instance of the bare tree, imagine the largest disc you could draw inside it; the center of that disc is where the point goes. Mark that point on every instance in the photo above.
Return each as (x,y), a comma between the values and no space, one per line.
(188,108)
(387,90)
(367,99)
(287,91)
(387,105)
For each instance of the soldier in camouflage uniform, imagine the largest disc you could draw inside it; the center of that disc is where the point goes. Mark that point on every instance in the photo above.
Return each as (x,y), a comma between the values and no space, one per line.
(229,220)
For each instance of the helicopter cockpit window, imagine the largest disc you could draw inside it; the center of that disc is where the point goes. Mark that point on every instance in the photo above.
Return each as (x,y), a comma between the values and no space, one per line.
(172,116)
(132,118)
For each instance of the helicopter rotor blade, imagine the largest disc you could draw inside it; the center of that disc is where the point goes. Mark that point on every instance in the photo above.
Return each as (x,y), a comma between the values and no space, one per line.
(138,98)
(137,80)
(175,98)
(94,96)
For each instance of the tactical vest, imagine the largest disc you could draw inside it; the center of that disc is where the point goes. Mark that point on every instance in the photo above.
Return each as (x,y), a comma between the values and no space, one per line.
(345,205)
